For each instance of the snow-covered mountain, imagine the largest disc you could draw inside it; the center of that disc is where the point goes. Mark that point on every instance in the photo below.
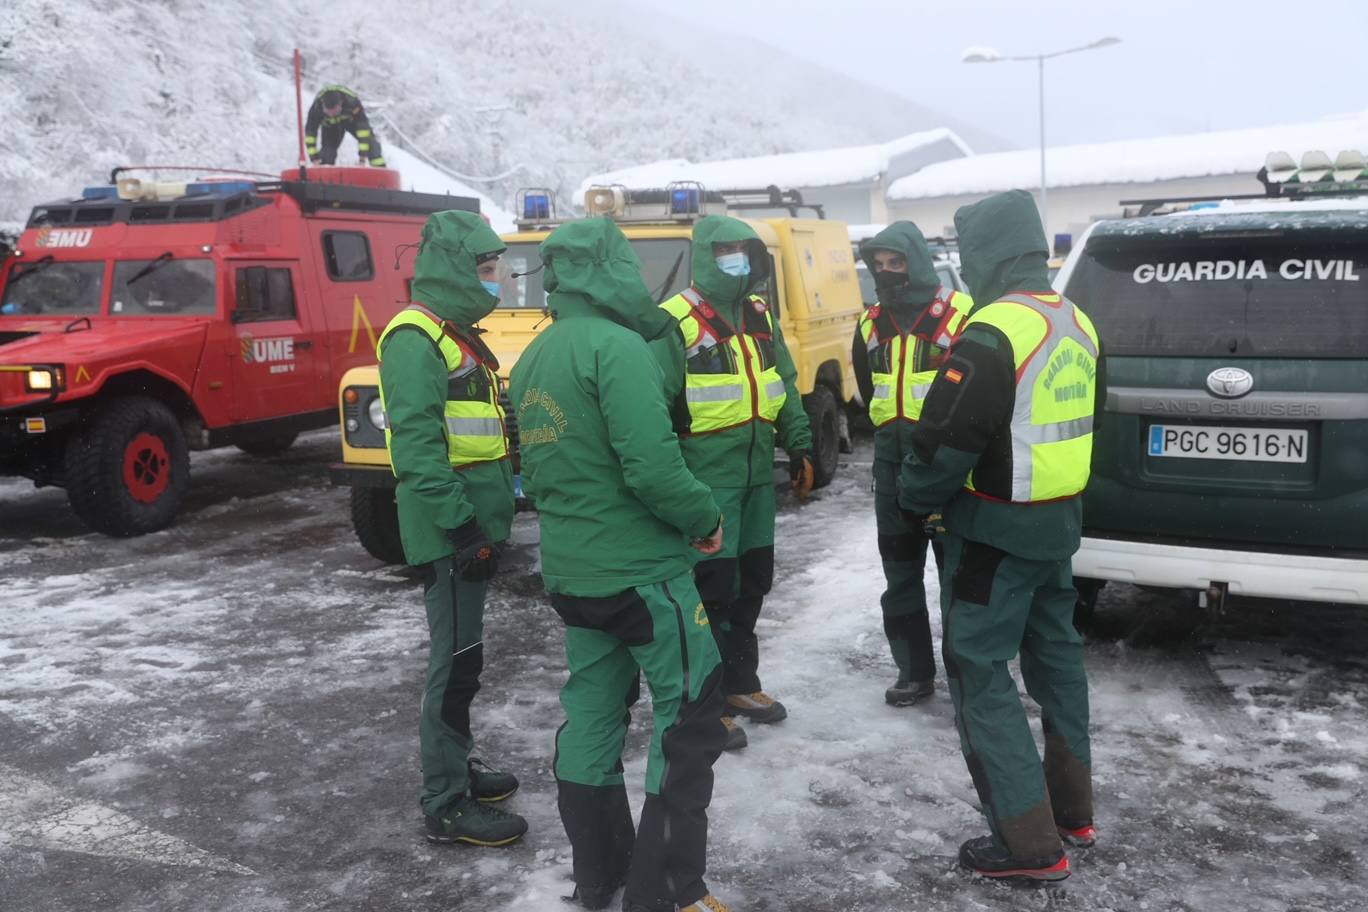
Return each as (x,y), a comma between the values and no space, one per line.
(530,93)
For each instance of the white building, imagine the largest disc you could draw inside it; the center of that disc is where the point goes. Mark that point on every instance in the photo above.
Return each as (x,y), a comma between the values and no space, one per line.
(851,184)
(1087,182)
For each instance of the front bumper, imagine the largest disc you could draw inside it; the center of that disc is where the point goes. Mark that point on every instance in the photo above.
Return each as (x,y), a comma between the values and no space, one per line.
(350,475)
(1263,574)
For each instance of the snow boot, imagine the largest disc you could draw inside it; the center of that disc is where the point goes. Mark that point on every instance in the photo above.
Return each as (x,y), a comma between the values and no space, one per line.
(907,693)
(985,856)
(474,823)
(708,903)
(1083,836)
(488,784)
(736,735)
(758,707)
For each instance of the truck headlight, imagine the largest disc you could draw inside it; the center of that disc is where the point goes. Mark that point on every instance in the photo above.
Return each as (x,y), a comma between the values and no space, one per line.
(376,412)
(43,380)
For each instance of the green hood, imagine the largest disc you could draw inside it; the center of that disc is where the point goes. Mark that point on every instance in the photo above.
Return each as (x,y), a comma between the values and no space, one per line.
(922,281)
(720,289)
(1002,246)
(444,276)
(591,267)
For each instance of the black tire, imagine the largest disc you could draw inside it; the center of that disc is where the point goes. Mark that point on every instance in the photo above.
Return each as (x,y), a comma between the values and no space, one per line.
(826,434)
(128,467)
(266,447)
(1086,606)
(375,517)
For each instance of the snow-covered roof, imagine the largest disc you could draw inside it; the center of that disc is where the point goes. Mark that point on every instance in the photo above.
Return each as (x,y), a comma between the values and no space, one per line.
(1133,160)
(821,168)
(416,174)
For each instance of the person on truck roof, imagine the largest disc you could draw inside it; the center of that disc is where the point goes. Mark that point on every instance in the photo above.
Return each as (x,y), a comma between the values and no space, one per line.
(444,429)
(619,511)
(1003,450)
(899,345)
(337,110)
(733,387)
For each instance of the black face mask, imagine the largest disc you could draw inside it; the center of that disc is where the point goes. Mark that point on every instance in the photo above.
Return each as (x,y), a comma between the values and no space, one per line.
(884,280)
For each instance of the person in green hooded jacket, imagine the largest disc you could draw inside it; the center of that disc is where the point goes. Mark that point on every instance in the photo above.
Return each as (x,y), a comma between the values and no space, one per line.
(899,344)
(1003,450)
(449,452)
(619,510)
(732,385)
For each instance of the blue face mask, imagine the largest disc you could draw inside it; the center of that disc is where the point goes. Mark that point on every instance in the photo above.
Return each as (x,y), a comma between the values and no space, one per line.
(493,288)
(734,264)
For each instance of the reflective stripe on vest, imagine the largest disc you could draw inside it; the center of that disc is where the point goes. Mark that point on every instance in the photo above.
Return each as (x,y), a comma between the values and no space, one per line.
(474,426)
(1054,349)
(916,369)
(725,383)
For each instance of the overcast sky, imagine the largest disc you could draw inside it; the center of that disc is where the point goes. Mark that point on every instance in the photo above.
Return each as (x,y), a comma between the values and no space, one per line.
(1183,65)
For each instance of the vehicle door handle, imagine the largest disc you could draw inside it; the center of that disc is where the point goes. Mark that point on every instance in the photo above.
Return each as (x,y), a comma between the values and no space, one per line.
(304,343)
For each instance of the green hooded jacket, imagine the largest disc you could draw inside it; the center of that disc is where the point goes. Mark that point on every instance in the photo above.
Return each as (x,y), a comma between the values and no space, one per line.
(433,498)
(1002,251)
(600,458)
(906,301)
(744,455)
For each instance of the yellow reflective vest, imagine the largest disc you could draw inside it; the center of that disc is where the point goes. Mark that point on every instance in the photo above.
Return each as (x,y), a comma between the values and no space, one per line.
(731,373)
(475,430)
(1055,350)
(903,360)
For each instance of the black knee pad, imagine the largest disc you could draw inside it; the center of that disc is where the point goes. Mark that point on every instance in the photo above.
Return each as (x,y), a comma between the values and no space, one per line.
(463,682)
(978,565)
(757,571)
(716,582)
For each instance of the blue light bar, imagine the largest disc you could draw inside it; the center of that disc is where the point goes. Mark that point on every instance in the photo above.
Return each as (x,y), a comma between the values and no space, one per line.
(536,206)
(218,188)
(100,193)
(684,201)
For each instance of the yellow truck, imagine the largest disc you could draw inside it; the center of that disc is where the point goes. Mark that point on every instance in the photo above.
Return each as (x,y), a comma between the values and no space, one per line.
(813,288)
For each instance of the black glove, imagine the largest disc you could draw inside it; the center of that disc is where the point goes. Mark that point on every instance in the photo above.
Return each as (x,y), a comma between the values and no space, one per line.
(476,557)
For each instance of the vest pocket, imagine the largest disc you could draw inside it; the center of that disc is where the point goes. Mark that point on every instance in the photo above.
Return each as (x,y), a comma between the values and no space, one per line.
(468,384)
(712,359)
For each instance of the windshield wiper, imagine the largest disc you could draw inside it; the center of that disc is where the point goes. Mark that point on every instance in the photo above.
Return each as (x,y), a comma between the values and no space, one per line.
(150,268)
(39,266)
(669,279)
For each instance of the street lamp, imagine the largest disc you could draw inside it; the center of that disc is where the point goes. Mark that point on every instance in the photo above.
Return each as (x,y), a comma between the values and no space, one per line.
(988,55)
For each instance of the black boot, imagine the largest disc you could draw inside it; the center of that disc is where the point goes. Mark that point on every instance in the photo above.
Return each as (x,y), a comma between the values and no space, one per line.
(986,856)
(488,784)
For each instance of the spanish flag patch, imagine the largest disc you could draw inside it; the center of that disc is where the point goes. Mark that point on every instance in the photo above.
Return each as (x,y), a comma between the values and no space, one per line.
(953,375)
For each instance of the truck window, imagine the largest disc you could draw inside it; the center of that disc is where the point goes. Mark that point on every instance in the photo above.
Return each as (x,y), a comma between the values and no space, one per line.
(47,287)
(348,256)
(264,293)
(1283,296)
(664,267)
(168,287)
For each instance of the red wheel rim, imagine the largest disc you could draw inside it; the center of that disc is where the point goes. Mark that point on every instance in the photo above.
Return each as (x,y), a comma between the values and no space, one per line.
(147,468)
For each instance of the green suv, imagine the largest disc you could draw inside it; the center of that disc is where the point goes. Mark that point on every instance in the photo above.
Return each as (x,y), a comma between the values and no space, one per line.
(1234,453)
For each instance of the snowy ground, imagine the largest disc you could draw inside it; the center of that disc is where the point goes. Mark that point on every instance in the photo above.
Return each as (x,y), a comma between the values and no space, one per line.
(222,716)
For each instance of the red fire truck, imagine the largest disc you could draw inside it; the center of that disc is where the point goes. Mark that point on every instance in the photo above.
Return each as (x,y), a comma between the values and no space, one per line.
(145,319)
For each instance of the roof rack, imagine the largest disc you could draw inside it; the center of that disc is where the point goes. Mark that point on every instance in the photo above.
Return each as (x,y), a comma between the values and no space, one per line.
(678,202)
(1316,177)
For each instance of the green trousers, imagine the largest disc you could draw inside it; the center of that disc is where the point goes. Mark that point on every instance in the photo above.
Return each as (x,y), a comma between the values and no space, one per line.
(995,605)
(663,631)
(734,582)
(455,616)
(902,549)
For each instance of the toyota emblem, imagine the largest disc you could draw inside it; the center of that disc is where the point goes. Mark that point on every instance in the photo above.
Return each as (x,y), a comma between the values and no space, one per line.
(1230,382)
